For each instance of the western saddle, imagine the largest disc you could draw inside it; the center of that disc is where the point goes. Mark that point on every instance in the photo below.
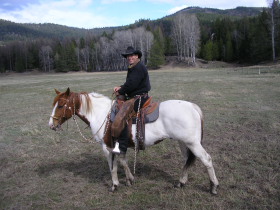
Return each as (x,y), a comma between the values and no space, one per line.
(123,113)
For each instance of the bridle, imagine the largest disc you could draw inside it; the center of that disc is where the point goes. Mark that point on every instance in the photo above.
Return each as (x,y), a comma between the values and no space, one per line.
(66,106)
(74,114)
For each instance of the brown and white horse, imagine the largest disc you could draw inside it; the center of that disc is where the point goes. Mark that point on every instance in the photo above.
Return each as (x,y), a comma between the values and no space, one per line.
(178,120)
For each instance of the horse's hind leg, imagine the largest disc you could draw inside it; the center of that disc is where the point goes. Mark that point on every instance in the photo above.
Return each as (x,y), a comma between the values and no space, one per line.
(206,159)
(128,174)
(189,159)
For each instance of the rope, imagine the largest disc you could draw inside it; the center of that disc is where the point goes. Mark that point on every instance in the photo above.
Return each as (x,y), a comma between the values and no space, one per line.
(74,118)
(136,140)
(105,120)
(87,140)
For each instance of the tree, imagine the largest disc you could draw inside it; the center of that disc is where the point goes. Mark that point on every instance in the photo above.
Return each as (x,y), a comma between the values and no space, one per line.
(60,61)
(229,48)
(71,55)
(84,58)
(178,35)
(156,57)
(260,45)
(186,35)
(46,60)
(194,36)
(274,12)
(207,51)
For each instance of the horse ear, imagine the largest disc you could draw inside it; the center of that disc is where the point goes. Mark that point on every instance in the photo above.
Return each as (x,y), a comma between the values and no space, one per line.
(67,92)
(57,92)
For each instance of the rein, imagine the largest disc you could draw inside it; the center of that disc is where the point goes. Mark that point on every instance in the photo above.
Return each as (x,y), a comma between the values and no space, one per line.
(136,142)
(93,137)
(107,119)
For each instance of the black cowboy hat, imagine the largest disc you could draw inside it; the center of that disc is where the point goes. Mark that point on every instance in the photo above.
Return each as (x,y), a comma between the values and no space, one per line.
(131,51)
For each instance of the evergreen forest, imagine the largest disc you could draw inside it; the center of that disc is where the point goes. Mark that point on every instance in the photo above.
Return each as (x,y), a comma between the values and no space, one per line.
(243,35)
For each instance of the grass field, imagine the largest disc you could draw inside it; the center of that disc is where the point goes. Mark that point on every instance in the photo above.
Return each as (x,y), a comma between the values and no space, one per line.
(43,169)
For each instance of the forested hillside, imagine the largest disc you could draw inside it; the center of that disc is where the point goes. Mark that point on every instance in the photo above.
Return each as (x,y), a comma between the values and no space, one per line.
(244,35)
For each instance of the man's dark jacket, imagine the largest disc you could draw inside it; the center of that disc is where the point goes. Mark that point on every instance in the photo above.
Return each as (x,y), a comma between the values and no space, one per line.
(137,81)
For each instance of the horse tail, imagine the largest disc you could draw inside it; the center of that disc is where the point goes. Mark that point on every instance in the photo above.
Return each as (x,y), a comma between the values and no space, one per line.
(202,125)
(197,108)
(190,158)
(187,154)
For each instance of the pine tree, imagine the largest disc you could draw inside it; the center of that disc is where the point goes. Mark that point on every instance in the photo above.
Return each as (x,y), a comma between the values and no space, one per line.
(157,57)
(229,48)
(260,45)
(207,51)
(60,59)
(19,64)
(71,57)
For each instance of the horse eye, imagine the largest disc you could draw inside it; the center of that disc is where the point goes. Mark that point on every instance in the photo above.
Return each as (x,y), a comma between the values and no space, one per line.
(59,106)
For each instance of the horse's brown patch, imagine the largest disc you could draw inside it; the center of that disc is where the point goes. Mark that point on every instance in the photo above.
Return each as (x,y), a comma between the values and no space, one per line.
(69,104)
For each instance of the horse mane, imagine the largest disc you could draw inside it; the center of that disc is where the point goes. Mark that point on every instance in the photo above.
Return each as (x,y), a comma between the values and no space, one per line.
(88,105)
(84,98)
(87,101)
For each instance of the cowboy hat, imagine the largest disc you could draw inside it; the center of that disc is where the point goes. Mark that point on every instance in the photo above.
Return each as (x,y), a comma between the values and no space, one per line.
(131,51)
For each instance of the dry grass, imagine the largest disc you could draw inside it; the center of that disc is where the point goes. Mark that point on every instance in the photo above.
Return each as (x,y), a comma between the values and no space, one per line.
(41,169)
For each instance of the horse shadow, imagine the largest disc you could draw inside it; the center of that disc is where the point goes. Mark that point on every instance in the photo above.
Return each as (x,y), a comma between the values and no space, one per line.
(95,168)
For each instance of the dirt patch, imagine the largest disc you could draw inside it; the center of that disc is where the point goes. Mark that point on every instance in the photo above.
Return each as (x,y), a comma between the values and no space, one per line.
(172,61)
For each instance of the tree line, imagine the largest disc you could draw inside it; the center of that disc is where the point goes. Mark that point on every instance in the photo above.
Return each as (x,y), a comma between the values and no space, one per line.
(185,36)
(247,40)
(89,53)
(102,53)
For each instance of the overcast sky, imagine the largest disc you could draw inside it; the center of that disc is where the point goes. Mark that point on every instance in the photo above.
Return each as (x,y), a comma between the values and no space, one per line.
(102,13)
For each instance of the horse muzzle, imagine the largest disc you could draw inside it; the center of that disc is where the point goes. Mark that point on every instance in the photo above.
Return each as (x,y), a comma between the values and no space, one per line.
(56,128)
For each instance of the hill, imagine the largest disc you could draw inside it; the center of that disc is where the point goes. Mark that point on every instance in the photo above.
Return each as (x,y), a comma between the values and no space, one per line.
(21,31)
(238,11)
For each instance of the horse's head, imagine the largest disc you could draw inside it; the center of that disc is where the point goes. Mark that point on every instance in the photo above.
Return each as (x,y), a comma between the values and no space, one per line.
(63,108)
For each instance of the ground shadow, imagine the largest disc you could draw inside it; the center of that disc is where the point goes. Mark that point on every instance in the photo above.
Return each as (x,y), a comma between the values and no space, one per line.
(95,168)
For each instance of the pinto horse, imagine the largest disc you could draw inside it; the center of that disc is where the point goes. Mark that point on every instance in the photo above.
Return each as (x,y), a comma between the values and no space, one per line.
(178,120)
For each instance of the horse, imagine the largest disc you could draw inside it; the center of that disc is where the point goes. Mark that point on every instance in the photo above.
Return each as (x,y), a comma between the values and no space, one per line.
(178,120)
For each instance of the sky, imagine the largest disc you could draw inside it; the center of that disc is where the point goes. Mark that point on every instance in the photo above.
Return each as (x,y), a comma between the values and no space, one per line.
(104,13)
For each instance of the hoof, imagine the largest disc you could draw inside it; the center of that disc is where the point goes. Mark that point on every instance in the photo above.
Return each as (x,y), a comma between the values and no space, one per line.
(179,185)
(129,182)
(113,188)
(213,188)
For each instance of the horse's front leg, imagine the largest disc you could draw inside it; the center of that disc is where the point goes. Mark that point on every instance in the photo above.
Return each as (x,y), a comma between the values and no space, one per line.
(113,166)
(128,174)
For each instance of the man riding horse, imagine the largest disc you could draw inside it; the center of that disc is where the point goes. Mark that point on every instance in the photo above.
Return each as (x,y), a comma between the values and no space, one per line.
(136,86)
(178,120)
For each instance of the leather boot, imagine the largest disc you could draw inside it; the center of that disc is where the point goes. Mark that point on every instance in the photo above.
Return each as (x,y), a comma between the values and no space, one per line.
(123,140)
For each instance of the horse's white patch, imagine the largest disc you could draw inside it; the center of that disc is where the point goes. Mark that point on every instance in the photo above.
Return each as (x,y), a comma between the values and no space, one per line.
(52,115)
(178,120)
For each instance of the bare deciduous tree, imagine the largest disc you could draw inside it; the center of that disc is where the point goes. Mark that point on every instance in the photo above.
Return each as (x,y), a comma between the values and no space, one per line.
(194,36)
(110,49)
(45,56)
(84,58)
(186,35)
(274,11)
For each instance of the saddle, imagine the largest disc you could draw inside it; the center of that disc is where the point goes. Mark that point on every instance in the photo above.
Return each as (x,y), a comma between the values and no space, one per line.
(122,113)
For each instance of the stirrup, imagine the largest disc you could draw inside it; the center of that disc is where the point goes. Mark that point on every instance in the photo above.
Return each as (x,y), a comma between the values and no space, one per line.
(116,150)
